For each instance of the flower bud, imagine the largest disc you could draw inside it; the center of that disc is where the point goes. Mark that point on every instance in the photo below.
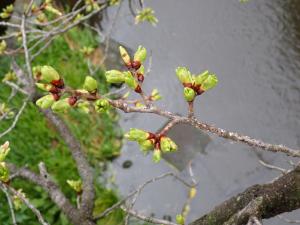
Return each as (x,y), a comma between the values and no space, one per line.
(45,102)
(44,87)
(192,193)
(184,75)
(180,219)
(102,105)
(125,56)
(189,94)
(90,84)
(156,155)
(167,145)
(140,54)
(76,185)
(4,172)
(61,105)
(49,74)
(130,81)
(137,135)
(4,150)
(146,145)
(210,82)
(3,46)
(114,76)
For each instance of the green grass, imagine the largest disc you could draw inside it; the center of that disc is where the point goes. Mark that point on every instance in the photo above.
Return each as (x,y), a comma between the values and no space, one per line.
(34,139)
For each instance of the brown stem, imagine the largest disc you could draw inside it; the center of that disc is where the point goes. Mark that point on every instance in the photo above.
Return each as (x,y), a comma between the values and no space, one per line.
(191,109)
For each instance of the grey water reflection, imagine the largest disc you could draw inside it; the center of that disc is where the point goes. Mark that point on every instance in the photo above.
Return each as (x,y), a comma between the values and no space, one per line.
(254,49)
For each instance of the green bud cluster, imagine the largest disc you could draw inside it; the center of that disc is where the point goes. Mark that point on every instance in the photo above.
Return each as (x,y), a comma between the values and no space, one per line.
(148,141)
(102,105)
(3,47)
(76,185)
(135,75)
(7,11)
(195,84)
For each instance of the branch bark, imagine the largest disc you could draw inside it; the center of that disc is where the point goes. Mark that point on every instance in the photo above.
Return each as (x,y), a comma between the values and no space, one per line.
(84,169)
(279,196)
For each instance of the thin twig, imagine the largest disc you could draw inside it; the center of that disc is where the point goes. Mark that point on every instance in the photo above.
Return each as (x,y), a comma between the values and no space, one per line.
(15,120)
(11,207)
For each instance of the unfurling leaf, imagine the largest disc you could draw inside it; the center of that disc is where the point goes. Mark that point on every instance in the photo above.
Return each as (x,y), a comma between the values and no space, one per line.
(45,102)
(184,75)
(140,54)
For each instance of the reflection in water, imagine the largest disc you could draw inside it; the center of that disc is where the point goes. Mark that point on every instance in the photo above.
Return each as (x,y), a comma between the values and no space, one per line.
(254,49)
(190,141)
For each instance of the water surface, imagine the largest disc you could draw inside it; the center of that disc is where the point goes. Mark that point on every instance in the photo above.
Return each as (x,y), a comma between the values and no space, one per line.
(254,49)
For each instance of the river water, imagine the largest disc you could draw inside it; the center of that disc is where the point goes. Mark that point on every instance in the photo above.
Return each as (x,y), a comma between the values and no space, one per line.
(254,49)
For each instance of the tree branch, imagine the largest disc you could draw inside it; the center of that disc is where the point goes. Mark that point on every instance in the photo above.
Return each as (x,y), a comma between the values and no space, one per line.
(279,196)
(84,169)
